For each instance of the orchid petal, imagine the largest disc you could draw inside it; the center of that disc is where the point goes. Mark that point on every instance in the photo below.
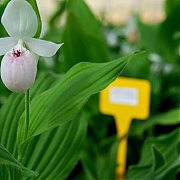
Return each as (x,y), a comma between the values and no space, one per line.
(18,73)
(42,47)
(6,44)
(19,19)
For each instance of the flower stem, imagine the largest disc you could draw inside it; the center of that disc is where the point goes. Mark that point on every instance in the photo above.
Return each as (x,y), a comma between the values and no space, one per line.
(27,106)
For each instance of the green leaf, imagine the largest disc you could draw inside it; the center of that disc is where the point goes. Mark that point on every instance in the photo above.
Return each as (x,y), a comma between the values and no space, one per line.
(160,163)
(138,172)
(167,144)
(2,2)
(3,32)
(109,169)
(54,153)
(89,166)
(10,114)
(6,158)
(166,119)
(169,170)
(13,108)
(170,6)
(157,158)
(161,40)
(99,165)
(35,7)
(150,42)
(63,102)
(61,6)
(83,42)
(147,171)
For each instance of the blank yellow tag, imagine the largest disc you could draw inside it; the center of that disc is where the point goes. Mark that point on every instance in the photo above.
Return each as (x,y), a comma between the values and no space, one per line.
(125,99)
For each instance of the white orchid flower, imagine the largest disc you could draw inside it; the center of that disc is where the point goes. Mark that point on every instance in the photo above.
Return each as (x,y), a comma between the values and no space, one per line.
(19,65)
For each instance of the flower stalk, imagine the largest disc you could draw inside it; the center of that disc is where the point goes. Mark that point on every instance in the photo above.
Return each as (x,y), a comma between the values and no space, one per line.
(27,110)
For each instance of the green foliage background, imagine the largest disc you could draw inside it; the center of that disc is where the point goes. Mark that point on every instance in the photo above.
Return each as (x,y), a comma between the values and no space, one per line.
(69,138)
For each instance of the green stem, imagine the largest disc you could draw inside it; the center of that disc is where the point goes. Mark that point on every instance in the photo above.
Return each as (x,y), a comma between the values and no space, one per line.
(27,106)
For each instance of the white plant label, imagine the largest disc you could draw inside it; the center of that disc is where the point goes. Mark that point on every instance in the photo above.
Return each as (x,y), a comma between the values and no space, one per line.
(125,96)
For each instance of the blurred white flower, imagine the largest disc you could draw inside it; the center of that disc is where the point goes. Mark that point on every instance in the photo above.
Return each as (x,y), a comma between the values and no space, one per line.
(19,65)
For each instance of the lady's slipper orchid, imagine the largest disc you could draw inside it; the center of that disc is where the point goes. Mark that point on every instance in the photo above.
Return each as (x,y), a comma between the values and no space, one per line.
(19,65)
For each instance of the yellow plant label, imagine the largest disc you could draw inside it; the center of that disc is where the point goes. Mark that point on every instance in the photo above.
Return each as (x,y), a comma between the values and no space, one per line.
(125,99)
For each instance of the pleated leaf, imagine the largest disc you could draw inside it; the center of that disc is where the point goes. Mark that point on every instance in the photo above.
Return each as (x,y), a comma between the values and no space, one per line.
(6,158)
(166,119)
(55,153)
(10,114)
(98,165)
(167,144)
(63,102)
(12,110)
(160,163)
(82,41)
(35,7)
